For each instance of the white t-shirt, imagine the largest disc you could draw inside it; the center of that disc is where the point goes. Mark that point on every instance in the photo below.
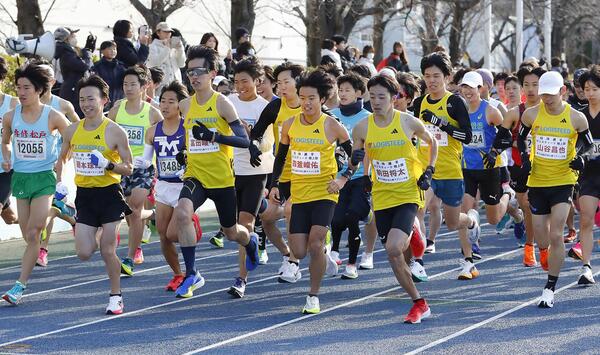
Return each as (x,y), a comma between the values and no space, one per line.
(249,112)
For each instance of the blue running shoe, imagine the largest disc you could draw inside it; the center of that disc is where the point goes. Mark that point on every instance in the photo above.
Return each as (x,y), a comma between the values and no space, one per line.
(476,251)
(14,295)
(189,285)
(252,258)
(520,234)
(503,224)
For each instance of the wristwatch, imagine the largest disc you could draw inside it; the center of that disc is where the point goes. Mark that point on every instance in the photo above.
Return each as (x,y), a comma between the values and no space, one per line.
(110,166)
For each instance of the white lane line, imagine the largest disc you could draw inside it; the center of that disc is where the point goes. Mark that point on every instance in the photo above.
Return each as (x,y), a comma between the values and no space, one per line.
(487,321)
(109,318)
(349,303)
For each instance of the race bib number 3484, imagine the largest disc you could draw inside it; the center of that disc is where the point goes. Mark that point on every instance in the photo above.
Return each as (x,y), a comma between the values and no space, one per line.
(30,149)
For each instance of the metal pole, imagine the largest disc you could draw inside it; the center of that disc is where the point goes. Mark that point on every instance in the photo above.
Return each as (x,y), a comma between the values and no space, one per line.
(548,31)
(519,34)
(487,34)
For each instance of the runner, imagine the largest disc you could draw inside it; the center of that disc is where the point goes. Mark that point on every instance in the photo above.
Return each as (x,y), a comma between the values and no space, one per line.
(136,116)
(101,154)
(7,212)
(386,135)
(529,79)
(32,129)
(447,118)
(312,136)
(212,130)
(555,128)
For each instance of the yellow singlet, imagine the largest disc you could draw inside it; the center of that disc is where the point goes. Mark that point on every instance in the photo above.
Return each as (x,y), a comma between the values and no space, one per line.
(82,143)
(395,166)
(209,163)
(450,150)
(552,149)
(285,113)
(313,161)
(135,126)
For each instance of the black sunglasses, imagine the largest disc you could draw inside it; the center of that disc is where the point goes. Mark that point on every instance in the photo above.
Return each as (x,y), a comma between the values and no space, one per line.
(197,71)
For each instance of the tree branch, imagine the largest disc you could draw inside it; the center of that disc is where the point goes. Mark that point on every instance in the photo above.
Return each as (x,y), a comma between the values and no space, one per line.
(48,12)
(8,13)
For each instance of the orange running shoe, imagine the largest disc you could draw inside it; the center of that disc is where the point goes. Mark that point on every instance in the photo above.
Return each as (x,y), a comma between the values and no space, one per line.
(174,283)
(420,310)
(529,256)
(138,257)
(571,236)
(544,258)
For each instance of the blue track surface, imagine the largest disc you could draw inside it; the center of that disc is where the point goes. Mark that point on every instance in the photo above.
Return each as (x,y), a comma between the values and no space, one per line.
(64,304)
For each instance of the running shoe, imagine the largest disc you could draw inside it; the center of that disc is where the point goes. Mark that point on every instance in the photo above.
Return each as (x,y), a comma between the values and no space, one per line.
(332,266)
(146,235)
(504,222)
(252,252)
(197,227)
(189,285)
(529,256)
(42,259)
(430,248)
(476,251)
(468,272)
(115,305)
(366,261)
(336,257)
(284,264)
(290,273)
(14,295)
(238,288)
(174,283)
(350,272)
(312,305)
(575,251)
(420,310)
(475,231)
(127,267)
(520,234)
(571,236)
(263,257)
(586,278)
(138,257)
(547,299)
(544,259)
(418,272)
(217,239)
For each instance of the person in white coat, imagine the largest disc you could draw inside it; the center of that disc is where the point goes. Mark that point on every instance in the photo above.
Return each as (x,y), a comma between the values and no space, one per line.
(166,52)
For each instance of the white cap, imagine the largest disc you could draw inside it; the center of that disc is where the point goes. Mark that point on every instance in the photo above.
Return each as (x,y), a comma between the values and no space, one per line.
(217,80)
(550,83)
(388,72)
(472,79)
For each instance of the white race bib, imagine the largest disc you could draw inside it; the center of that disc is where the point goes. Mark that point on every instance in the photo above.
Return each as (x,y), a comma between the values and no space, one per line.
(596,148)
(477,140)
(440,136)
(135,134)
(551,147)
(250,122)
(306,163)
(83,165)
(30,148)
(168,167)
(529,143)
(197,146)
(391,171)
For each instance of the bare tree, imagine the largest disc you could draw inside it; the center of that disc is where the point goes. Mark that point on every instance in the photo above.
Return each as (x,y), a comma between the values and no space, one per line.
(242,15)
(160,10)
(29,18)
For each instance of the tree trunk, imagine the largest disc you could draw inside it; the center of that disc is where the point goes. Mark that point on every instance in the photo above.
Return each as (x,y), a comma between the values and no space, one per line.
(429,39)
(313,33)
(557,41)
(29,18)
(378,27)
(242,15)
(456,33)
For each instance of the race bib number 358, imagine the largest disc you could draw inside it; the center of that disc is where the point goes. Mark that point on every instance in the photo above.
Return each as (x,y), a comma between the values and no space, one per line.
(551,147)
(135,134)
(30,149)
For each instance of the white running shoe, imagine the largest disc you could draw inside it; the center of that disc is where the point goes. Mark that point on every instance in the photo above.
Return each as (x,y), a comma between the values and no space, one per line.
(336,257)
(587,277)
(468,272)
(291,274)
(312,305)
(430,249)
(474,232)
(115,305)
(350,272)
(418,272)
(284,264)
(366,261)
(332,266)
(547,299)
(147,234)
(263,257)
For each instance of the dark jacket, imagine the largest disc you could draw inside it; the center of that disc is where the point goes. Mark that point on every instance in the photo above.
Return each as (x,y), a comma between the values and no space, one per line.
(112,72)
(127,53)
(73,68)
(394,61)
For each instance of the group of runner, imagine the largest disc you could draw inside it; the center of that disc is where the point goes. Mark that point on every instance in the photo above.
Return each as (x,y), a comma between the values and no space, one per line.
(331,152)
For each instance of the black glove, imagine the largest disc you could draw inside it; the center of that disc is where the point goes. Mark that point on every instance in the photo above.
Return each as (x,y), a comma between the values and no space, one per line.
(181,158)
(525,163)
(357,157)
(90,42)
(255,154)
(430,117)
(489,159)
(368,184)
(578,163)
(424,181)
(201,132)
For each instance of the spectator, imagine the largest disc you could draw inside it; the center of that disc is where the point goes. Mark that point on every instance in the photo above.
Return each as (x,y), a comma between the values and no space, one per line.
(409,90)
(367,59)
(397,59)
(364,72)
(111,70)
(267,85)
(341,46)
(157,79)
(126,52)
(244,51)
(222,85)
(166,53)
(210,40)
(74,63)
(578,100)
(329,54)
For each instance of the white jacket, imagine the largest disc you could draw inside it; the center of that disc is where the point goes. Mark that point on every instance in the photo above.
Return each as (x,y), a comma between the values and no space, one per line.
(333,55)
(368,63)
(168,59)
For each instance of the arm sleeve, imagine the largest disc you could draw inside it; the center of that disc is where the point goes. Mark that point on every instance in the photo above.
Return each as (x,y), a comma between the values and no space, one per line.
(459,112)
(585,142)
(148,152)
(239,138)
(503,139)
(267,117)
(522,141)
(416,108)
(282,151)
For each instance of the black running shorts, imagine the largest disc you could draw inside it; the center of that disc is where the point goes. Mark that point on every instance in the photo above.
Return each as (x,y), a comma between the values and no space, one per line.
(542,199)
(249,190)
(224,199)
(400,217)
(518,179)
(5,189)
(100,205)
(308,214)
(487,181)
